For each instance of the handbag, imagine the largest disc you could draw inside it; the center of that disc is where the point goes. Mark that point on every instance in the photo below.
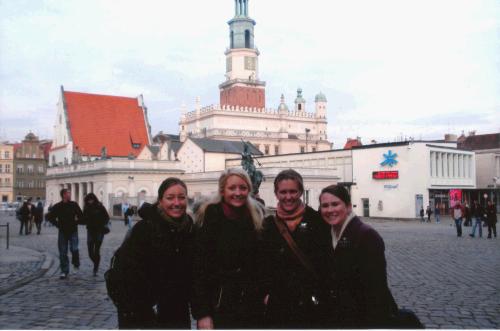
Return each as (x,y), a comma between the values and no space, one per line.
(106,229)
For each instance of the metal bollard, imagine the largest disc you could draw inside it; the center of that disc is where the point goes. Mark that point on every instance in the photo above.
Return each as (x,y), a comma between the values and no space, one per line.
(7,235)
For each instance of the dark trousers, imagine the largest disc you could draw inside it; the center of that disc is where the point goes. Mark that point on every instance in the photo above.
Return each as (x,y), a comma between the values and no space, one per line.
(458,224)
(492,227)
(24,224)
(38,226)
(94,242)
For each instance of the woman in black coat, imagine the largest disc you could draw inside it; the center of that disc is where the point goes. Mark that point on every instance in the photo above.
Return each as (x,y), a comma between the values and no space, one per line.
(96,217)
(155,260)
(359,294)
(226,263)
(293,288)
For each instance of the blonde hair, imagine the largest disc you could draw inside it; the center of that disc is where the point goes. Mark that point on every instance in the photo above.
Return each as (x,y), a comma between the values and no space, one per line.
(254,207)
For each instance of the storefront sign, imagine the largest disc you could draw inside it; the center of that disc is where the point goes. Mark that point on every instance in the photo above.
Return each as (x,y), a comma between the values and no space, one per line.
(389,159)
(385,174)
(455,197)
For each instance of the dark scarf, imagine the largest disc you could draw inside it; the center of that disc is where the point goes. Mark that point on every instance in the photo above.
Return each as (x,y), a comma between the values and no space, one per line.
(234,213)
(181,224)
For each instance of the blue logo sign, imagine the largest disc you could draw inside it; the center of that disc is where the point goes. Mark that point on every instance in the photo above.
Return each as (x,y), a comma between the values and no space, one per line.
(389,159)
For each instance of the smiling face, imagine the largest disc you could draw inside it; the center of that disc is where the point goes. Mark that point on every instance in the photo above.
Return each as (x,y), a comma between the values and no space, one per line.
(174,201)
(235,191)
(288,194)
(333,210)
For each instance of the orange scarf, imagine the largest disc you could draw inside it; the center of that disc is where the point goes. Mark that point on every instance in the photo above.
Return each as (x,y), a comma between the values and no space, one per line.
(292,220)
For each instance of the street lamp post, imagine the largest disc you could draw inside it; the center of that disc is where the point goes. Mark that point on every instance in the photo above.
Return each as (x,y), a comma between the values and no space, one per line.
(307,135)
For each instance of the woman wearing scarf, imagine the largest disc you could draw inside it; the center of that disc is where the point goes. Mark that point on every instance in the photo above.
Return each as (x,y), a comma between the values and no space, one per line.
(155,259)
(292,283)
(360,296)
(226,261)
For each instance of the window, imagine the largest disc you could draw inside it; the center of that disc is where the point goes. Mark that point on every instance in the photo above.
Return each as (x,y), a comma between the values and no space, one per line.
(31,184)
(20,169)
(7,168)
(20,183)
(0,168)
(7,155)
(30,169)
(306,197)
(276,150)
(302,149)
(314,149)
(7,180)
(40,169)
(300,106)
(266,149)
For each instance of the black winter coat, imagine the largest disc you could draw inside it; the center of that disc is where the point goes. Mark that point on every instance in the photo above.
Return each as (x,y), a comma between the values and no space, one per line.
(359,294)
(65,216)
(294,292)
(95,217)
(157,259)
(227,272)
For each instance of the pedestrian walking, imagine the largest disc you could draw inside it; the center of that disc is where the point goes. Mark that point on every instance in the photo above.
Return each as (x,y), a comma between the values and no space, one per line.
(422,213)
(25,217)
(96,218)
(292,253)
(65,215)
(151,272)
(38,216)
(491,219)
(457,214)
(477,213)
(428,212)
(227,257)
(128,213)
(437,212)
(46,221)
(468,215)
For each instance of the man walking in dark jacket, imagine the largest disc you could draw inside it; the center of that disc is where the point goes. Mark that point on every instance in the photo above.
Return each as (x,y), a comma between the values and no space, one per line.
(65,216)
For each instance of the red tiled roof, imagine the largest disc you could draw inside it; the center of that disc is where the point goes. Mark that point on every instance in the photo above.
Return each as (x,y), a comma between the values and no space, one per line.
(352,143)
(16,146)
(96,121)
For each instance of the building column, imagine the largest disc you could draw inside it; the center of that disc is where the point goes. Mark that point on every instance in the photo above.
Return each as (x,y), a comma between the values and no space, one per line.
(80,194)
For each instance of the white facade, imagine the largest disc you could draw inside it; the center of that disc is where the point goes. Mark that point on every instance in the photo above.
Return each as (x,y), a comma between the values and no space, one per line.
(109,178)
(488,169)
(421,167)
(282,132)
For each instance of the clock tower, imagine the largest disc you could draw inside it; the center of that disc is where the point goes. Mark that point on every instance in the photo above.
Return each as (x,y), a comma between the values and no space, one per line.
(242,86)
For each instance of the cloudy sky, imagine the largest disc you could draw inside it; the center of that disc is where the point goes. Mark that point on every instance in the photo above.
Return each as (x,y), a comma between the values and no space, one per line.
(389,68)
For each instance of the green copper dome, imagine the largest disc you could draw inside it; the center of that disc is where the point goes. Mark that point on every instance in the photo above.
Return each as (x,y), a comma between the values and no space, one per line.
(320,97)
(299,98)
(283,106)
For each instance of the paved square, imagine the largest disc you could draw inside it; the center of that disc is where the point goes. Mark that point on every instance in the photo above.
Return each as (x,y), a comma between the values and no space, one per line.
(449,282)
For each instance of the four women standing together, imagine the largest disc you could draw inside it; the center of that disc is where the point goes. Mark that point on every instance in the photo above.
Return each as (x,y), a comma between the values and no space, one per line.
(297,268)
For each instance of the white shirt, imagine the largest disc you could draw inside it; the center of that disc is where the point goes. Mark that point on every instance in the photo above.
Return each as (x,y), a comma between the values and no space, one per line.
(335,239)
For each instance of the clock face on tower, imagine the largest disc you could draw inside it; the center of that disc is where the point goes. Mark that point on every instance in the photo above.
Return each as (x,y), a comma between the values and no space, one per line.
(250,63)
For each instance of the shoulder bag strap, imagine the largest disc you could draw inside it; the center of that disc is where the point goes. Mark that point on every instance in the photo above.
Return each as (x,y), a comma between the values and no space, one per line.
(283,230)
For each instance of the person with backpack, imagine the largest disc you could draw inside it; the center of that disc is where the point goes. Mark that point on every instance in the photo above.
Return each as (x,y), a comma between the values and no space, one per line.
(150,276)
(96,218)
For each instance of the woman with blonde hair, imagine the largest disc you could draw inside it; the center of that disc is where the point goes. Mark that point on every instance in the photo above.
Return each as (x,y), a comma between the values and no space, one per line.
(227,257)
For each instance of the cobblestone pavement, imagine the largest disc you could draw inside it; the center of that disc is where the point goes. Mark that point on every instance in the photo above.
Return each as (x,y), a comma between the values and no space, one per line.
(449,282)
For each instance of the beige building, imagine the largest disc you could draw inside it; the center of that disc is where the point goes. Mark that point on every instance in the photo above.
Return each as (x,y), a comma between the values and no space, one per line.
(6,172)
(30,167)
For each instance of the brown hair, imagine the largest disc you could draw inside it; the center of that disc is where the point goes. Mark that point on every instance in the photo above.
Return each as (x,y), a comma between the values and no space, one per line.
(291,175)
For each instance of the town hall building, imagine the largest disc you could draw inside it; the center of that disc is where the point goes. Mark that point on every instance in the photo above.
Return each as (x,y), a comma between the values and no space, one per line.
(242,112)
